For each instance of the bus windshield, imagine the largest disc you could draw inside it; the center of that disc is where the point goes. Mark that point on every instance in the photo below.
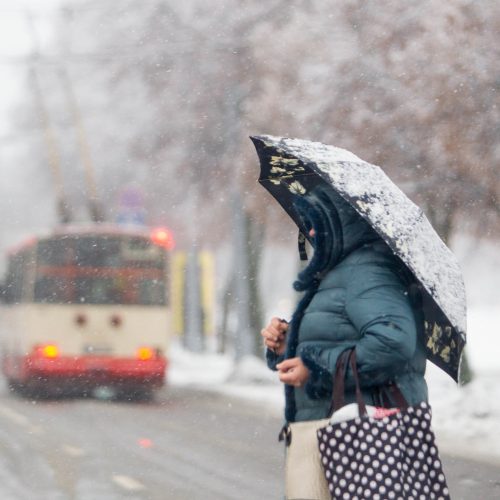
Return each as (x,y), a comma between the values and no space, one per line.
(100,269)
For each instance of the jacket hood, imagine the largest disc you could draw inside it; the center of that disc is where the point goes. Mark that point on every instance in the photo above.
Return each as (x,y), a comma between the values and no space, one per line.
(338,229)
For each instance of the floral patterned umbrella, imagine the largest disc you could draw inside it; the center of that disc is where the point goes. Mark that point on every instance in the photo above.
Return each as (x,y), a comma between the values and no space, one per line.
(292,167)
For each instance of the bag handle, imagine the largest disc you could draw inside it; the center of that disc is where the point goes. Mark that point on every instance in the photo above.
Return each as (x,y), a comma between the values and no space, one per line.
(338,401)
(338,396)
(394,393)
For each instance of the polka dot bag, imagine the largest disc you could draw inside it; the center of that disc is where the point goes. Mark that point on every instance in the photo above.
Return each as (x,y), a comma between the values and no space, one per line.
(393,457)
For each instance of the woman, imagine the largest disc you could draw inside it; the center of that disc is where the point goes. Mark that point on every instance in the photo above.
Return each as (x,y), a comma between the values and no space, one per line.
(356,295)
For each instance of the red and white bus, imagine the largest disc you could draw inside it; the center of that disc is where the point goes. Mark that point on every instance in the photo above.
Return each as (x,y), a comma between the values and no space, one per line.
(86,309)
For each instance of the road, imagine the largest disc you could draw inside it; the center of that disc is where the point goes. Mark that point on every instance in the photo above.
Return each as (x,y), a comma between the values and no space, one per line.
(188,444)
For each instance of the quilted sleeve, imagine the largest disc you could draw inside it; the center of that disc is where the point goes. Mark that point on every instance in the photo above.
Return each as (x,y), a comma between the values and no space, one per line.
(378,306)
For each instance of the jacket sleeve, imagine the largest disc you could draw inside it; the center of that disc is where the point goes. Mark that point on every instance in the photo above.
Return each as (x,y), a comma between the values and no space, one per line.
(273,359)
(378,306)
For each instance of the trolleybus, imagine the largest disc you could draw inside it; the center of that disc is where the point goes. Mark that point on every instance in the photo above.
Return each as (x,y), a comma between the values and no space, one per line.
(86,309)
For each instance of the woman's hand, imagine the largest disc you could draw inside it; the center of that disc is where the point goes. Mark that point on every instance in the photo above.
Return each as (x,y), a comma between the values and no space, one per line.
(293,372)
(274,335)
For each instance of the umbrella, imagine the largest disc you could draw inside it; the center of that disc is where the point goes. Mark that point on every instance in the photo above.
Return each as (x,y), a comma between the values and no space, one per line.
(292,167)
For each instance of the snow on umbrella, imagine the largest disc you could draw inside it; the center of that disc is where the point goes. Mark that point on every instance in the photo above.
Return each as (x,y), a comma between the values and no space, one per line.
(292,167)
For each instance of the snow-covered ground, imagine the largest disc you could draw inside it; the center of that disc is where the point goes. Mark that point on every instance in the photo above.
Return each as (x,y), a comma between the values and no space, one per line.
(466,419)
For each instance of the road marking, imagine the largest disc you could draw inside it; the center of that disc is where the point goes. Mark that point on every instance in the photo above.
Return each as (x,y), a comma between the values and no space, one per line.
(128,483)
(72,451)
(14,416)
(36,430)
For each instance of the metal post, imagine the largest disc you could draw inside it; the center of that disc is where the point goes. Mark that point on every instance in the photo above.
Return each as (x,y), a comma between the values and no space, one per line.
(244,339)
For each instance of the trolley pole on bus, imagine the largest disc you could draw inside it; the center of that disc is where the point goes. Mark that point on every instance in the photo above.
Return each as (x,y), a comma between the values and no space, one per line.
(54,159)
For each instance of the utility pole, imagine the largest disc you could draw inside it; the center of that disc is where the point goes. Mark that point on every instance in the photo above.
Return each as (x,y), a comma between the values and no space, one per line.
(193,331)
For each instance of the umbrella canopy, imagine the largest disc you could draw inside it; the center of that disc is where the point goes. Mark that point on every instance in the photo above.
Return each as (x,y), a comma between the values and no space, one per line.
(292,167)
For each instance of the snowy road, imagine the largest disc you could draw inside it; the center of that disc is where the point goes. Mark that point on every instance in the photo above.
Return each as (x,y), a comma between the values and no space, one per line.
(187,445)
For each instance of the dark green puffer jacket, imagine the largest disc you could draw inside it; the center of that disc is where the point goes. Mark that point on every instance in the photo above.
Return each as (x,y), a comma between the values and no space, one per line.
(358,297)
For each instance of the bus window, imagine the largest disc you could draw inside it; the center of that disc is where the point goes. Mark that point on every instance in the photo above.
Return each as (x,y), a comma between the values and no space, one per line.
(152,292)
(97,252)
(53,290)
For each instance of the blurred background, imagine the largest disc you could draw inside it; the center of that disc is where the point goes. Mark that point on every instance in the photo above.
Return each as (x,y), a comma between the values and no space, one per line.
(139,113)
(154,102)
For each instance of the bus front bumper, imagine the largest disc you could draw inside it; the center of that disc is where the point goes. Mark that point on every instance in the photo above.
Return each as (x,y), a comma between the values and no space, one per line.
(92,371)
